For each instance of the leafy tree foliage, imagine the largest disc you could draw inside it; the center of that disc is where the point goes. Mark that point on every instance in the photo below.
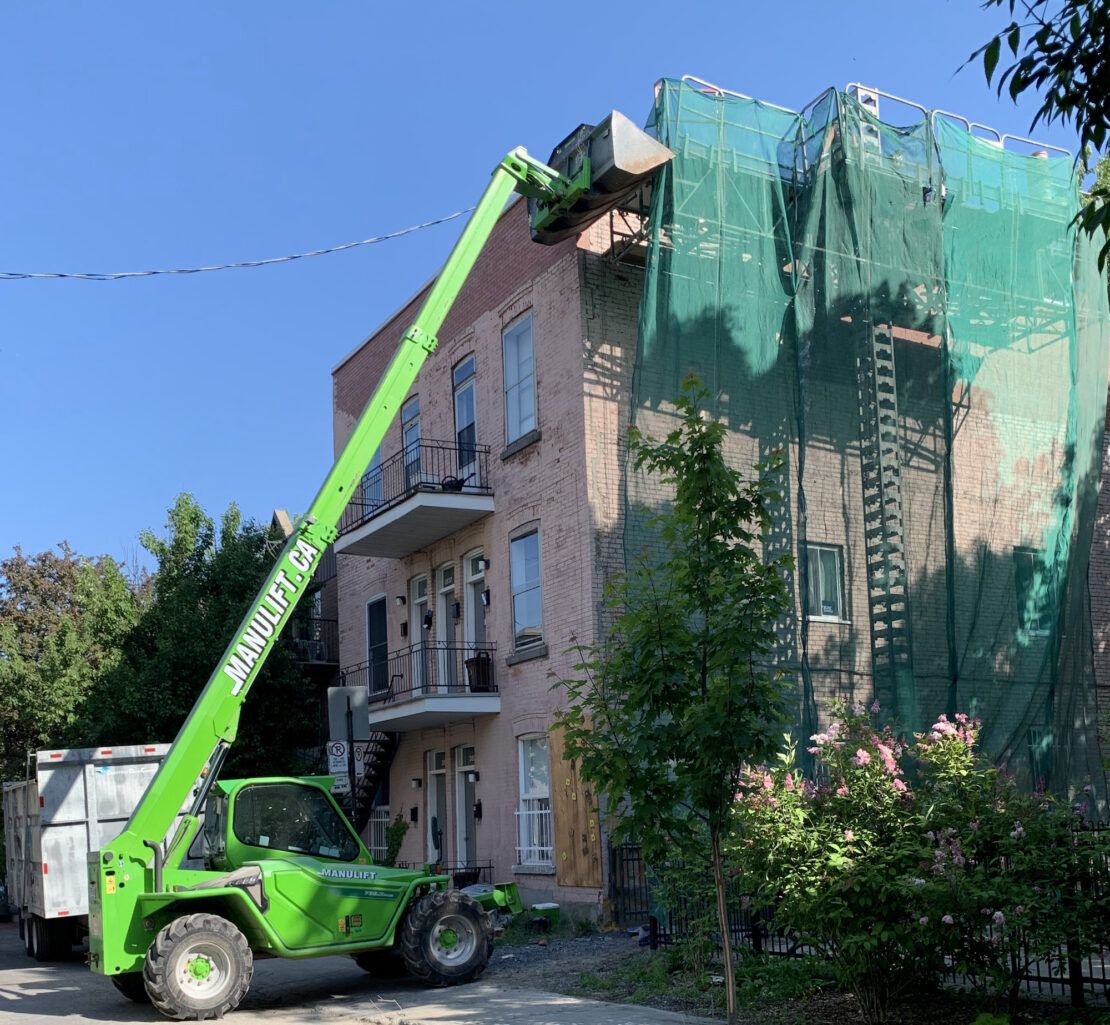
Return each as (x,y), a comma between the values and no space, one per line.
(63,620)
(680,694)
(1058,48)
(204,585)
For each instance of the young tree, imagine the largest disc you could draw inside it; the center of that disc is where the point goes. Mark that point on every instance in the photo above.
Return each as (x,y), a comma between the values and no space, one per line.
(1058,49)
(63,620)
(204,583)
(682,691)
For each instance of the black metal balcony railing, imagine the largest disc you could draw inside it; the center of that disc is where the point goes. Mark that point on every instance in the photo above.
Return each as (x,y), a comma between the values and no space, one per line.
(425,670)
(314,640)
(424,466)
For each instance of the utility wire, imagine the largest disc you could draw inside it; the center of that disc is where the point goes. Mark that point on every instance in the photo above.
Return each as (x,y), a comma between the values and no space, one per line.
(92,276)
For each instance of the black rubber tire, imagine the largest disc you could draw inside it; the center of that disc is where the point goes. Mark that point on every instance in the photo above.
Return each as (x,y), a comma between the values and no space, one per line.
(447,938)
(40,940)
(220,978)
(385,964)
(25,931)
(133,986)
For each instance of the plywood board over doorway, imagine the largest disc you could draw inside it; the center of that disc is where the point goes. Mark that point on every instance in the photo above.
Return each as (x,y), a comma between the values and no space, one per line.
(576,823)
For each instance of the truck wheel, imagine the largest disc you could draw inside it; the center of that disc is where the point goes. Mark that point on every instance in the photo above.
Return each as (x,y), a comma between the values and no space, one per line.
(41,947)
(132,986)
(198,967)
(447,938)
(385,964)
(27,932)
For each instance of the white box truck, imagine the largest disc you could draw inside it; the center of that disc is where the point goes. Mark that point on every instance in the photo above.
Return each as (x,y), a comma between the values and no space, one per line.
(75,802)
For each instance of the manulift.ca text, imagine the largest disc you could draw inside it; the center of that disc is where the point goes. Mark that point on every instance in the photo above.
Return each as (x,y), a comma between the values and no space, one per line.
(264,623)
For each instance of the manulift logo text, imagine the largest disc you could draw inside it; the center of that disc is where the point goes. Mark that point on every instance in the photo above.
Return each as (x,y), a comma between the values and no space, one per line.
(267,617)
(347,873)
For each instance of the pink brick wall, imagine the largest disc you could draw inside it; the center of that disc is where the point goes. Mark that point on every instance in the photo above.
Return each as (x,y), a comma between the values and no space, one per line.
(567,483)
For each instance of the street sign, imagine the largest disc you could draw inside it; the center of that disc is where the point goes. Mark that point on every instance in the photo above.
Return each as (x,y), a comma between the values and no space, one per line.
(337,756)
(342,784)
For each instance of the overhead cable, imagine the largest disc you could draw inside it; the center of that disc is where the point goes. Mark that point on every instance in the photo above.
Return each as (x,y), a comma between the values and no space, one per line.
(119,275)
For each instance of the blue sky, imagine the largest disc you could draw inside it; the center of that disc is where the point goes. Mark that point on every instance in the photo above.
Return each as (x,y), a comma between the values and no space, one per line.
(149,135)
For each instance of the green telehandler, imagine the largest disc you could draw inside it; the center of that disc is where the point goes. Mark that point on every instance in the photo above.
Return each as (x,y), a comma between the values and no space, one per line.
(284,874)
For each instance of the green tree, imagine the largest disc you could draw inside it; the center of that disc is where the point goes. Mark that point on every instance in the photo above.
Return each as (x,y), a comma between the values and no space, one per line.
(63,621)
(204,584)
(1058,49)
(681,693)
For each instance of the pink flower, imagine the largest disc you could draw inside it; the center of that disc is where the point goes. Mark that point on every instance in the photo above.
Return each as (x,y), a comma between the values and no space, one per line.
(841,791)
(888,758)
(768,783)
(947,920)
(849,835)
(899,785)
(1019,909)
(789,782)
(861,758)
(923,920)
(998,918)
(974,826)
(875,707)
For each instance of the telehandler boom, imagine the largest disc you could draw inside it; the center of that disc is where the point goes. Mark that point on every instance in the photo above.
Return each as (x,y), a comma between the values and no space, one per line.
(284,873)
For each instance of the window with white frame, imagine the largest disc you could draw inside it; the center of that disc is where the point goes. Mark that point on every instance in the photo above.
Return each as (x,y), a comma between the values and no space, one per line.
(372,481)
(1036,604)
(524,569)
(410,440)
(825,591)
(535,801)
(466,429)
(520,379)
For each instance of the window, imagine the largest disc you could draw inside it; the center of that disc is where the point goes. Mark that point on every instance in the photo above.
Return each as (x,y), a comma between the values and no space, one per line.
(377,646)
(520,379)
(421,635)
(476,598)
(1036,600)
(825,592)
(535,801)
(447,627)
(372,481)
(292,817)
(410,440)
(524,560)
(466,431)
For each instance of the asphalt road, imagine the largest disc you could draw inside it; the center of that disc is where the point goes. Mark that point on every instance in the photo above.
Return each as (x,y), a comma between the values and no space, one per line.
(326,990)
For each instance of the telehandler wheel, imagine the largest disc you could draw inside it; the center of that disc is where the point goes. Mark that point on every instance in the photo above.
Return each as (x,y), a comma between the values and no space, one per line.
(198,967)
(447,938)
(385,964)
(132,986)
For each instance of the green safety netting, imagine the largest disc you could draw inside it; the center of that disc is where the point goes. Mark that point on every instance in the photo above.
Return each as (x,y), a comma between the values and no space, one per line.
(908,315)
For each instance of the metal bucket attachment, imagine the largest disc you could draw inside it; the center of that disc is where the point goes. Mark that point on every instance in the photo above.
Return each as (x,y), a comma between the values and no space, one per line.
(620,157)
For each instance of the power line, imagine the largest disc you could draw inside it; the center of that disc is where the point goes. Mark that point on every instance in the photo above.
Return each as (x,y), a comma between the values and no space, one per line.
(93,276)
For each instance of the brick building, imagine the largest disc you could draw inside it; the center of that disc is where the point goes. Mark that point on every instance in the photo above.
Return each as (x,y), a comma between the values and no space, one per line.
(929,463)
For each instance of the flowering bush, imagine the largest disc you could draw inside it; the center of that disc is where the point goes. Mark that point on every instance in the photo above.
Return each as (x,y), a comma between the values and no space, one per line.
(914,857)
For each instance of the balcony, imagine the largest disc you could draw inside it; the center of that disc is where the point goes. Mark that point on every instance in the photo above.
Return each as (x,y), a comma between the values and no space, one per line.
(417,497)
(314,641)
(428,684)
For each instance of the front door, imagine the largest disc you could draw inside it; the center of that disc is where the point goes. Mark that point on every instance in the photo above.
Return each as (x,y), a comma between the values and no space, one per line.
(437,807)
(465,822)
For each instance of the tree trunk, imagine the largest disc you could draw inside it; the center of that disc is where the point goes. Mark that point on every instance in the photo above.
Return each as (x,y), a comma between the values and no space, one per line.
(722,918)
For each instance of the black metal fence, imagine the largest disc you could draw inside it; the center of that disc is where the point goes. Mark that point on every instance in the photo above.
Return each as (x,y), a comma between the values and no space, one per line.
(634,899)
(423,466)
(427,668)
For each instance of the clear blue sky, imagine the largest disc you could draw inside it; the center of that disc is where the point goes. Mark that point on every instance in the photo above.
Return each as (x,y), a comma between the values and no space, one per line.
(152,135)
